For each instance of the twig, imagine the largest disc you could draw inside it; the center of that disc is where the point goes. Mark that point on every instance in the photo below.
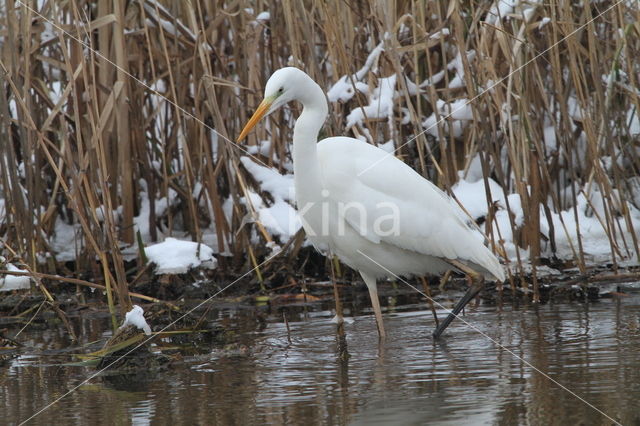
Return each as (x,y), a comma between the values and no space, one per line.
(84,283)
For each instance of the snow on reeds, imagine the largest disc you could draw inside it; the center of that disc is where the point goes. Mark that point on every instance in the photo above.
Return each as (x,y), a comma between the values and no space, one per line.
(116,121)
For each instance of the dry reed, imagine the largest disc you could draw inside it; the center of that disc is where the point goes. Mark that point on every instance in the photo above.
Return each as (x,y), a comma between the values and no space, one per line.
(106,105)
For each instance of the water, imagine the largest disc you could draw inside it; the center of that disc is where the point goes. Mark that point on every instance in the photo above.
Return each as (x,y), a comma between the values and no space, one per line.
(264,378)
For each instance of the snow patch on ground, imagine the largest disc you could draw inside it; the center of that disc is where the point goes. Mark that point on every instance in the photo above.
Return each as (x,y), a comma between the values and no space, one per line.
(177,256)
(595,242)
(590,212)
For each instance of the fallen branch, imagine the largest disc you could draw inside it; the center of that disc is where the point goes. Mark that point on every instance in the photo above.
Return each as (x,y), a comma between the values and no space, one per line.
(605,277)
(84,283)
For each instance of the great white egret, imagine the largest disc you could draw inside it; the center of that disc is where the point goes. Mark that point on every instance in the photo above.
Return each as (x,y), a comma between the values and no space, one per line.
(369,208)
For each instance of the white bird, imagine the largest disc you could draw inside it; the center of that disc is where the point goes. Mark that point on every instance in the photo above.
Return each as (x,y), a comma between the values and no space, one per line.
(373,211)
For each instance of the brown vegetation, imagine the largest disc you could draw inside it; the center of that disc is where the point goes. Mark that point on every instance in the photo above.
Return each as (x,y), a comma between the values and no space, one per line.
(106,104)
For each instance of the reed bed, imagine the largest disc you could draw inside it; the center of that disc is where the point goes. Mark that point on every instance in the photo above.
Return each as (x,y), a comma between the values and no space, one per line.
(117,120)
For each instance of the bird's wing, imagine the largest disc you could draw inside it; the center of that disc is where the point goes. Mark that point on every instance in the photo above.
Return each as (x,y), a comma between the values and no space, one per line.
(387,201)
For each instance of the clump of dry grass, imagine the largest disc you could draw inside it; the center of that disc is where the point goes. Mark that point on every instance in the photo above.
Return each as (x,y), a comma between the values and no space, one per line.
(109,104)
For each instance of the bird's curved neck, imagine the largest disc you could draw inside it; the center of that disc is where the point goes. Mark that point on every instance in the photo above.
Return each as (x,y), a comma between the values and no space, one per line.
(306,169)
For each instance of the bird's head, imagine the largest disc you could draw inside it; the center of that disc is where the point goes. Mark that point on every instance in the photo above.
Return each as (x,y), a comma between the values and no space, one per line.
(280,89)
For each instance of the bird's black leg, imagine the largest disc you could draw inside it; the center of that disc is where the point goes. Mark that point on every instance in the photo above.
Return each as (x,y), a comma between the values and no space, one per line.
(476,285)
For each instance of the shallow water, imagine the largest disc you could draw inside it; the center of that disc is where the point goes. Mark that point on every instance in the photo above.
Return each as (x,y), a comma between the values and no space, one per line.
(590,349)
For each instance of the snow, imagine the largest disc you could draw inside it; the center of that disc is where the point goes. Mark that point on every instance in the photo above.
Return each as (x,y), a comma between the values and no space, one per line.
(65,243)
(274,247)
(100,214)
(515,205)
(595,240)
(280,219)
(454,118)
(388,146)
(460,109)
(590,218)
(263,17)
(279,186)
(56,91)
(337,319)
(343,89)
(3,211)
(141,221)
(634,189)
(380,103)
(48,33)
(214,146)
(13,108)
(434,79)
(440,34)
(575,110)
(549,136)
(500,10)
(175,256)
(472,196)
(13,282)
(474,170)
(135,317)
(262,148)
(544,21)
(454,128)
(458,65)
(150,7)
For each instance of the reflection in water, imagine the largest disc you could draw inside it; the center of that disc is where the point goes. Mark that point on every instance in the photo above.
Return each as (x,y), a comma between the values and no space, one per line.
(409,379)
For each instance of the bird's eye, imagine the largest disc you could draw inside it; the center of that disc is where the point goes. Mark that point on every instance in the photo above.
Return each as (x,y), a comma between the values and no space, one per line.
(280,90)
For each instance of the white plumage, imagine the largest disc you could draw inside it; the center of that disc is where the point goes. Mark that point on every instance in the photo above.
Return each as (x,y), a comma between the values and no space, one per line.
(369,208)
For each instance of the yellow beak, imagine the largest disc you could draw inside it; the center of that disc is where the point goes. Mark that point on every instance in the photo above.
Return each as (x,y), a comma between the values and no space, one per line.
(255,118)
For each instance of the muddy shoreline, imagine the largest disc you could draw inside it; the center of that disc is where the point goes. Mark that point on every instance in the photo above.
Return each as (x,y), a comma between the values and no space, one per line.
(201,291)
